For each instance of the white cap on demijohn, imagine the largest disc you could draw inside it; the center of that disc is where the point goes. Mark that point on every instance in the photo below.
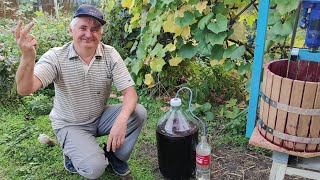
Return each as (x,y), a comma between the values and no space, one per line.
(175,102)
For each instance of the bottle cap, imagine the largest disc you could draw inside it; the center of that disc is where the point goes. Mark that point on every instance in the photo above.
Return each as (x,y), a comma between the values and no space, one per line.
(175,102)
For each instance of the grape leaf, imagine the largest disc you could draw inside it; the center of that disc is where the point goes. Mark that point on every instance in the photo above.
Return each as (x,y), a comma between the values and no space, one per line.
(238,52)
(158,50)
(274,17)
(234,52)
(216,38)
(220,25)
(205,48)
(137,65)
(186,20)
(148,80)
(209,116)
(127,3)
(217,52)
(187,51)
(175,61)
(167,1)
(285,6)
(204,21)
(243,68)
(156,64)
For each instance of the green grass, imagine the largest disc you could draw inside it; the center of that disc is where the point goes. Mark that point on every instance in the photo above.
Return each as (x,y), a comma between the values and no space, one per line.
(23,157)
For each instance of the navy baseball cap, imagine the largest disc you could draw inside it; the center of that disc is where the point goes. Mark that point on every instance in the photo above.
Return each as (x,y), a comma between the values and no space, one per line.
(89,11)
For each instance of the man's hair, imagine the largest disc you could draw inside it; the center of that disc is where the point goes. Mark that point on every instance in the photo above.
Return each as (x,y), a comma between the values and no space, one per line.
(76,19)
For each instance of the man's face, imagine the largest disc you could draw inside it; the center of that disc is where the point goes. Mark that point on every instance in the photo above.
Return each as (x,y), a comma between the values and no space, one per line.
(86,33)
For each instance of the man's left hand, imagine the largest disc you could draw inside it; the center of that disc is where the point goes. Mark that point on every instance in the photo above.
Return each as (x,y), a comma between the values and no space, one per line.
(117,135)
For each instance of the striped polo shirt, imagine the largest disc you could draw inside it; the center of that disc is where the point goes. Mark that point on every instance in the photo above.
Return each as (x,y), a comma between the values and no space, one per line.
(80,94)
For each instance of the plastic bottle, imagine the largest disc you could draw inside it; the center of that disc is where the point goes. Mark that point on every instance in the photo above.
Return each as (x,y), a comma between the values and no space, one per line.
(203,160)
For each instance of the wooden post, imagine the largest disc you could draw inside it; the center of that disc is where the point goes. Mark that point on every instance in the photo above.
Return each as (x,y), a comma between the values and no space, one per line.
(257,65)
(56,8)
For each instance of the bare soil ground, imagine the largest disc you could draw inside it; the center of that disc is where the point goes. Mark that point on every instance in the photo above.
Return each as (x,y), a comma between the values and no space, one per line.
(228,163)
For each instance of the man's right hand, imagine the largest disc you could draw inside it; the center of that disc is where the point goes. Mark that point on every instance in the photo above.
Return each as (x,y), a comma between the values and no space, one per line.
(27,82)
(26,42)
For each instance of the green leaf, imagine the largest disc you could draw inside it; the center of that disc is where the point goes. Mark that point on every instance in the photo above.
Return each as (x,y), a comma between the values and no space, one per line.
(137,65)
(139,80)
(186,20)
(187,51)
(204,48)
(251,19)
(217,52)
(220,25)
(158,50)
(248,85)
(207,106)
(205,20)
(220,8)
(149,40)
(199,34)
(209,116)
(156,26)
(232,102)
(193,2)
(38,13)
(232,114)
(151,15)
(274,17)
(167,1)
(243,68)
(276,38)
(141,53)
(134,46)
(156,64)
(282,29)
(227,53)
(287,28)
(229,2)
(238,52)
(216,38)
(234,52)
(228,65)
(285,6)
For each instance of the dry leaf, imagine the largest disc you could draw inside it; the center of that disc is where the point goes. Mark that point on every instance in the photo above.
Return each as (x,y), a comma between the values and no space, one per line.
(165,109)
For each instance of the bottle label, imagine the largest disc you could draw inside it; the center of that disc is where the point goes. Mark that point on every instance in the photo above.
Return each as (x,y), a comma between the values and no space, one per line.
(203,160)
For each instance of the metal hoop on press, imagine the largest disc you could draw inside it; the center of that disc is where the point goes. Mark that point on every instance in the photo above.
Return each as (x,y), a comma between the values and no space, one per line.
(288,108)
(287,137)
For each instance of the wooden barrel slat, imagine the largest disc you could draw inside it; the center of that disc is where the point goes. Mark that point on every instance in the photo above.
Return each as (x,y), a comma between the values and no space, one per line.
(293,68)
(312,71)
(285,93)
(283,69)
(318,74)
(276,85)
(266,106)
(302,70)
(309,95)
(315,123)
(292,119)
(279,69)
(263,89)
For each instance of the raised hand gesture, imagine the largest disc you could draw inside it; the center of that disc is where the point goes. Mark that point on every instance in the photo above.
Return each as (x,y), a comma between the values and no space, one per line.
(26,42)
